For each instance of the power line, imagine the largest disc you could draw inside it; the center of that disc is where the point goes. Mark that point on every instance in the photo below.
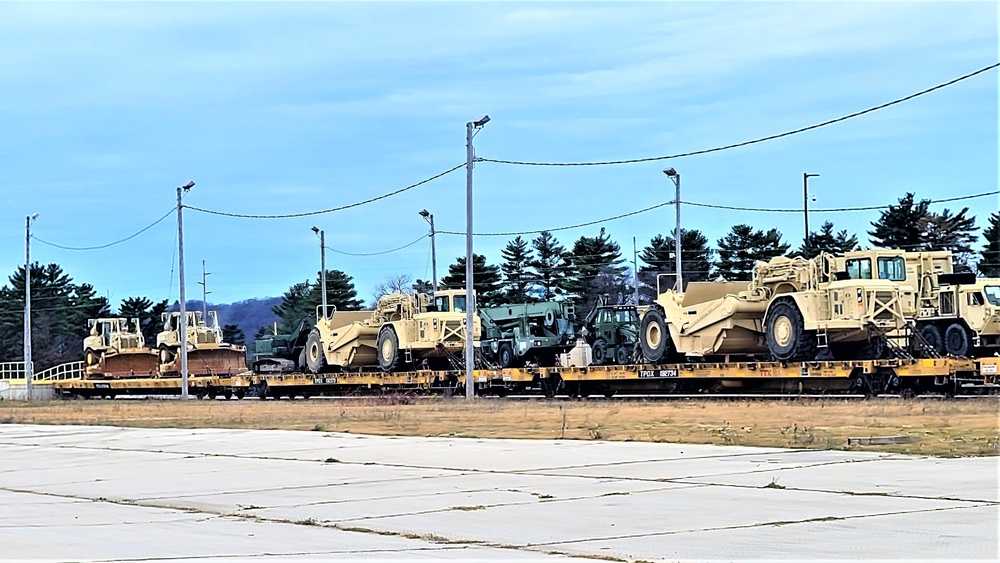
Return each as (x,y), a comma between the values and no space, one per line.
(407,245)
(754,141)
(332,209)
(110,244)
(622,216)
(832,209)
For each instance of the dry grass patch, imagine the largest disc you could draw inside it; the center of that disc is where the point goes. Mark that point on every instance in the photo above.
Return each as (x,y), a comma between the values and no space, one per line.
(949,428)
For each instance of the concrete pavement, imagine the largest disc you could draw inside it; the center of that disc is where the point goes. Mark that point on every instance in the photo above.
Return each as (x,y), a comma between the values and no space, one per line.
(101,493)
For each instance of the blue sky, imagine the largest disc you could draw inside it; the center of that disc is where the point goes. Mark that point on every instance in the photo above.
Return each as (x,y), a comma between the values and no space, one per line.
(286,107)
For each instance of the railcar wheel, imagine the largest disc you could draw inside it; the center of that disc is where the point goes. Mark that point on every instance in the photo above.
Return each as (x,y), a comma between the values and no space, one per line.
(600,351)
(787,338)
(389,357)
(505,355)
(315,358)
(956,340)
(931,336)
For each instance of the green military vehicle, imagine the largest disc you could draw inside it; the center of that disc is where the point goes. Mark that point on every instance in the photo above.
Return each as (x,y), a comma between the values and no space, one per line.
(613,333)
(518,333)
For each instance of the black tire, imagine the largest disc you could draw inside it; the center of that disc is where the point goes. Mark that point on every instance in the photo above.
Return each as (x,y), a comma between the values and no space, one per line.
(600,351)
(957,341)
(90,357)
(787,338)
(654,338)
(387,348)
(622,356)
(505,355)
(931,336)
(315,358)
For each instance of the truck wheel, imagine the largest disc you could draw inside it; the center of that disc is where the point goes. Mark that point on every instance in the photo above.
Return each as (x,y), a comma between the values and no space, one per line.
(388,349)
(931,336)
(622,356)
(787,338)
(505,355)
(600,351)
(654,338)
(315,358)
(956,340)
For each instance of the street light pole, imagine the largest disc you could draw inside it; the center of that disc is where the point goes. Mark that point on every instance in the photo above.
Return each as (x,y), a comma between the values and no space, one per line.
(28,371)
(805,204)
(182,325)
(429,217)
(676,177)
(470,157)
(322,265)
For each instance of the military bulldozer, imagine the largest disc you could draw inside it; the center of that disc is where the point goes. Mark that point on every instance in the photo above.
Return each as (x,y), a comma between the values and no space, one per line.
(612,333)
(514,334)
(115,348)
(206,352)
(402,332)
(793,309)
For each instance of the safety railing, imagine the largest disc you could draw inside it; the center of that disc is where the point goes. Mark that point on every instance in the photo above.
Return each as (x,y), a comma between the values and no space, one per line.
(69,370)
(11,370)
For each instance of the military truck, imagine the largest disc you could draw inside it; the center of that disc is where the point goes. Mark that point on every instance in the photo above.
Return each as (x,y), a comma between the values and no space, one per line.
(793,309)
(115,348)
(516,333)
(957,313)
(401,332)
(207,353)
(612,331)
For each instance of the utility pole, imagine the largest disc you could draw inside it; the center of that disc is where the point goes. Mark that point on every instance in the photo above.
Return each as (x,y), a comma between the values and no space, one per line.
(182,325)
(676,177)
(28,367)
(805,204)
(470,157)
(204,291)
(322,266)
(635,269)
(429,217)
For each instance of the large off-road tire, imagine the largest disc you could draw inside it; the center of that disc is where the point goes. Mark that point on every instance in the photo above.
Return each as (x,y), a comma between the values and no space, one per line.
(622,355)
(315,358)
(957,341)
(787,338)
(654,338)
(389,358)
(931,335)
(505,355)
(600,352)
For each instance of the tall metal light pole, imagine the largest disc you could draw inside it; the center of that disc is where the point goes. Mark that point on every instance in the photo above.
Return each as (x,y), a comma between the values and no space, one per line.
(182,325)
(28,371)
(676,177)
(429,217)
(470,157)
(805,203)
(322,265)
(204,291)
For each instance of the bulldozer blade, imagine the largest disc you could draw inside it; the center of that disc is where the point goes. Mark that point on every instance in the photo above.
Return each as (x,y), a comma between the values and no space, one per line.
(220,361)
(126,364)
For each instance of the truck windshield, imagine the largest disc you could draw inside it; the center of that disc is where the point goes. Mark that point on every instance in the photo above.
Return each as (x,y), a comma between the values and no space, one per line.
(459,303)
(442,304)
(992,294)
(626,316)
(892,269)
(859,269)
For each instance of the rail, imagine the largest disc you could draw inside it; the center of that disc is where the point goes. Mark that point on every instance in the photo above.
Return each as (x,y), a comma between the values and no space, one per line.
(69,370)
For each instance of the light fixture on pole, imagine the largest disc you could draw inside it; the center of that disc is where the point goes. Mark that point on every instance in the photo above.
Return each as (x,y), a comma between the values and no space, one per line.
(470,157)
(429,217)
(28,371)
(182,325)
(676,177)
(322,265)
(805,203)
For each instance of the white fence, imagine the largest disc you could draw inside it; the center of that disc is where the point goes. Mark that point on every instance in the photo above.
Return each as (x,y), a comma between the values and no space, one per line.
(12,371)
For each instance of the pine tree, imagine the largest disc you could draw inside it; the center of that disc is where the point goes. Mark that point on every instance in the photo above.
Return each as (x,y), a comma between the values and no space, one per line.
(233,334)
(597,270)
(148,313)
(301,299)
(422,286)
(518,279)
(486,279)
(743,247)
(549,266)
(696,262)
(989,256)
(944,231)
(827,241)
(901,226)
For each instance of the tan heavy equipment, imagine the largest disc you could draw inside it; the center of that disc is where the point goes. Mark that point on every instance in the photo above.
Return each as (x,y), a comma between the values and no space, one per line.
(793,309)
(115,348)
(957,313)
(207,353)
(402,331)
